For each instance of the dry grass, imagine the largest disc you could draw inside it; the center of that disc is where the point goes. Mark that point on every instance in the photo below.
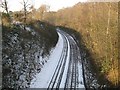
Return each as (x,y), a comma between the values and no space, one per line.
(113,76)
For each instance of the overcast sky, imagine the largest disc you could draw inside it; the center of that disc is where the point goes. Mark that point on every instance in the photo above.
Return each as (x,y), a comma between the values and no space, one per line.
(15,5)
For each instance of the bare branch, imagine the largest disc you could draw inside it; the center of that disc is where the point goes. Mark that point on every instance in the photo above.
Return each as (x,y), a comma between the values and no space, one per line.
(4,5)
(25,5)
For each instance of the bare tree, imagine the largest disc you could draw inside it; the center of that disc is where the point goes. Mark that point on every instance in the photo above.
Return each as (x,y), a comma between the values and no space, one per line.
(25,6)
(4,5)
(6,19)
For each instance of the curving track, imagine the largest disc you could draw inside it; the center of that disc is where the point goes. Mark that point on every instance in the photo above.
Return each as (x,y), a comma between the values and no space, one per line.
(67,74)
(57,76)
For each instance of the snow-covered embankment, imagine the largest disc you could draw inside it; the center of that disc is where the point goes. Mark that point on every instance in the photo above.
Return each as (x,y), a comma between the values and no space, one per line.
(43,78)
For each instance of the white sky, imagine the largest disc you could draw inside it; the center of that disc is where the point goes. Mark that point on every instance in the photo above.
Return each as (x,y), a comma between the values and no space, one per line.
(15,5)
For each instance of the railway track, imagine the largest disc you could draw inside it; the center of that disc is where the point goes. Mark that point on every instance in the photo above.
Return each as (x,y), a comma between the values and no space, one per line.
(72,77)
(57,76)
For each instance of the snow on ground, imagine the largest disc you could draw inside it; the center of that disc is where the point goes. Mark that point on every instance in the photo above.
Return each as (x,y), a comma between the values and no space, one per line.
(43,78)
(81,83)
(80,77)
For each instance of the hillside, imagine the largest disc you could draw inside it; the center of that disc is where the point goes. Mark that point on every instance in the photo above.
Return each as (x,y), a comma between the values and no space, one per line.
(97,24)
(25,51)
